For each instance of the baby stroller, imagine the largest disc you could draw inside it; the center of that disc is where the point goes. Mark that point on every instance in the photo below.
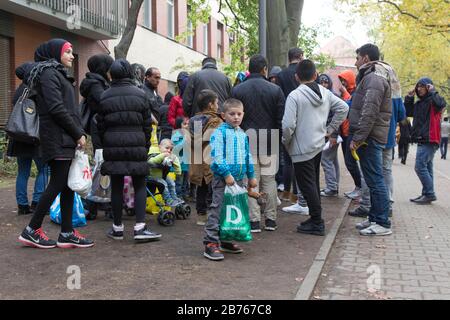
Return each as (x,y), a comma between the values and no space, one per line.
(100,195)
(156,205)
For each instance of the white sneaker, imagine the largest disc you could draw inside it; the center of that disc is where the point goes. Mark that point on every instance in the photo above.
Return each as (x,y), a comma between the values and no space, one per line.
(363,225)
(278,202)
(298,209)
(280,187)
(375,230)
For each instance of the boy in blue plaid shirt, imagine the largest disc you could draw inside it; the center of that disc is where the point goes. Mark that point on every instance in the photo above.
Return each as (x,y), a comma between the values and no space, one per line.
(231,162)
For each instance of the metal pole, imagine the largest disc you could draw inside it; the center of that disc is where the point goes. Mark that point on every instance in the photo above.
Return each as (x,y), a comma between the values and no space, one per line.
(262,28)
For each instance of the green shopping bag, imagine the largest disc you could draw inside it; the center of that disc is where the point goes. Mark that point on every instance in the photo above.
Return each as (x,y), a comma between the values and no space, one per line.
(234,215)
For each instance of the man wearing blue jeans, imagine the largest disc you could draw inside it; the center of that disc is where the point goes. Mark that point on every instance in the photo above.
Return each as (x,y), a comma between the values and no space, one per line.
(426,131)
(370,117)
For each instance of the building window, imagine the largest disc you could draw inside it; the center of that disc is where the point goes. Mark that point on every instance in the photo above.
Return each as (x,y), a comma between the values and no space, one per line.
(171,18)
(219,40)
(148,13)
(190,30)
(205,39)
(190,37)
(6,81)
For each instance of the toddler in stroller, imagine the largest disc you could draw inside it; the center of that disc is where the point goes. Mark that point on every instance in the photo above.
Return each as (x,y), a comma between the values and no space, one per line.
(162,162)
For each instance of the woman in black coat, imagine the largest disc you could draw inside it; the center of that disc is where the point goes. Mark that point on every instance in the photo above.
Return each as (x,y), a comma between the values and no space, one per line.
(26,154)
(92,88)
(124,123)
(60,134)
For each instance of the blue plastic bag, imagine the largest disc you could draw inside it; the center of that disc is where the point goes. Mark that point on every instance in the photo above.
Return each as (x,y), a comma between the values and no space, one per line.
(78,217)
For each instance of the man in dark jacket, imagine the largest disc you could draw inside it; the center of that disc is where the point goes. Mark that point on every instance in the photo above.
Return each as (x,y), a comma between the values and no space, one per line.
(26,154)
(286,78)
(370,117)
(263,113)
(207,78)
(426,132)
(152,79)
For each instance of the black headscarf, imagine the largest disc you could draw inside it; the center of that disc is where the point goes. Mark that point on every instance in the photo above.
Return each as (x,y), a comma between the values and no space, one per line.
(100,64)
(49,50)
(121,69)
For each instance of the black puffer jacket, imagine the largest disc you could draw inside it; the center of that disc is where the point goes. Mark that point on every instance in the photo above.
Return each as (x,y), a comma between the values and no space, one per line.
(92,88)
(263,107)
(59,120)
(124,123)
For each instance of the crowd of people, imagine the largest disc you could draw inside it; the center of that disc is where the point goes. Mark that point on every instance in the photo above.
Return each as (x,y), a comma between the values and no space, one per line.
(269,132)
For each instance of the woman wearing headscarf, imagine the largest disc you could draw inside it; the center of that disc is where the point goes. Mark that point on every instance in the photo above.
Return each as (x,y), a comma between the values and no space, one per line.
(176,104)
(124,122)
(60,134)
(26,154)
(96,82)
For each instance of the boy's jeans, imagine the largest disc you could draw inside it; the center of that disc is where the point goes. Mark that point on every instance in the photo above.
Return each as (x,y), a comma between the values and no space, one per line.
(24,169)
(372,167)
(212,226)
(182,184)
(424,167)
(330,165)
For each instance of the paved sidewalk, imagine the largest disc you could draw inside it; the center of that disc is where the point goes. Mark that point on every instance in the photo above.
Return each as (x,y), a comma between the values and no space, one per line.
(412,263)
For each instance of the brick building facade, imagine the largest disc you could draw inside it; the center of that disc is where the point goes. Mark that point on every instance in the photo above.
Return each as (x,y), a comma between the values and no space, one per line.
(24,24)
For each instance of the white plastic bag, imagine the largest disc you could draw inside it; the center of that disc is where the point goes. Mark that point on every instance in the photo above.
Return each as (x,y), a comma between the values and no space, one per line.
(101,185)
(80,174)
(327,145)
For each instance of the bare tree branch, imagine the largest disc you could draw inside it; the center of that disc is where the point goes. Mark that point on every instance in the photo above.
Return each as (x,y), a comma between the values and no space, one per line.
(121,50)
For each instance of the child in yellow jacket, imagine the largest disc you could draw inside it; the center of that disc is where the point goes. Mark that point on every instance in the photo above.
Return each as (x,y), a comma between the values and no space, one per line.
(163,161)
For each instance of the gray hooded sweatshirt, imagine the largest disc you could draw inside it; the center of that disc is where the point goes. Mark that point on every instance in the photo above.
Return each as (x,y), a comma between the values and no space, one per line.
(305,121)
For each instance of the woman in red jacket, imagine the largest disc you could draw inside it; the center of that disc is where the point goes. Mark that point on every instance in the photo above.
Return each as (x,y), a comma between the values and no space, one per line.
(176,105)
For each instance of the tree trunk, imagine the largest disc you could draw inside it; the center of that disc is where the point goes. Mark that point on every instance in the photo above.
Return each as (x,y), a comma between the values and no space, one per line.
(283,26)
(294,10)
(121,50)
(277,33)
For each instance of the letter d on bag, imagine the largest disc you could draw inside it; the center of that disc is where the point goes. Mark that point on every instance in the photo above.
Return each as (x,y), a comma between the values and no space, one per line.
(229,218)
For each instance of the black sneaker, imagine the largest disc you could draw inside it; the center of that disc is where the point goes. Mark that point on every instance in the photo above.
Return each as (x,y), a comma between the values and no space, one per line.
(271,225)
(255,226)
(145,235)
(212,252)
(310,227)
(424,199)
(230,247)
(23,210)
(116,235)
(358,212)
(74,240)
(36,239)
